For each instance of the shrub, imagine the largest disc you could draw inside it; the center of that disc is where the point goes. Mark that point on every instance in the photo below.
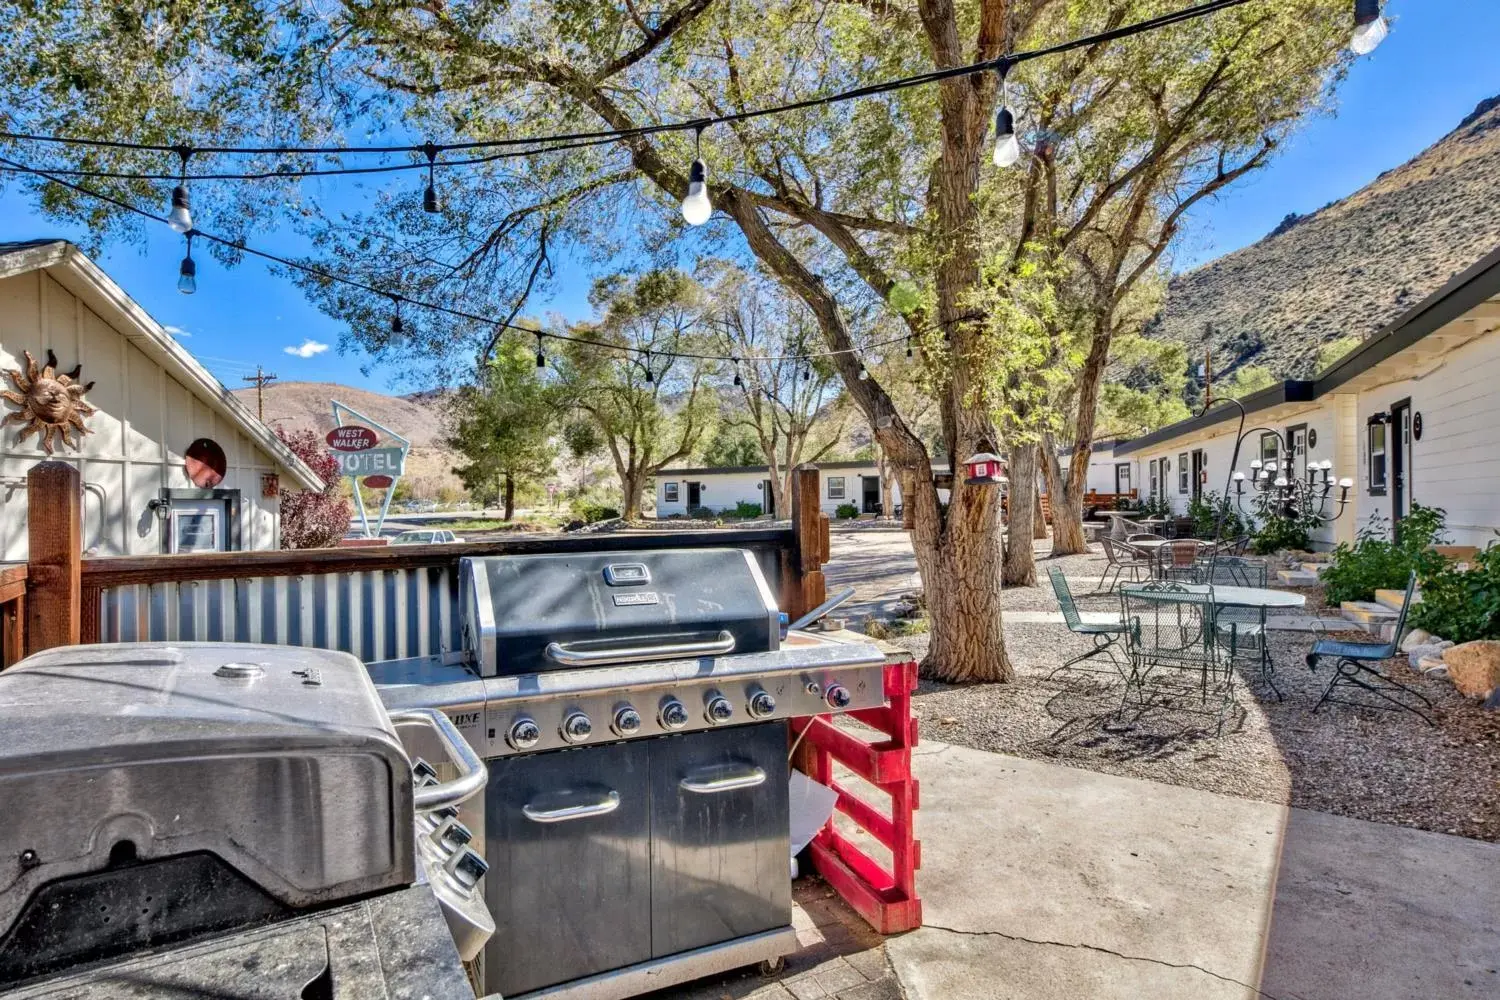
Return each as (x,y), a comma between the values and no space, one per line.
(1278,532)
(1207,508)
(1462,605)
(591,512)
(1375,562)
(702,513)
(746,509)
(846,510)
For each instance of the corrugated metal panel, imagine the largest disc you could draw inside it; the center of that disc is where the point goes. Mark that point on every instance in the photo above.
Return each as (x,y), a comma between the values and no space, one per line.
(379,615)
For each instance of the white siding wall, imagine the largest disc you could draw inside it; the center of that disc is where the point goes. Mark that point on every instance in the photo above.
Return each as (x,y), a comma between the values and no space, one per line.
(1219,447)
(723,490)
(1456,464)
(146,420)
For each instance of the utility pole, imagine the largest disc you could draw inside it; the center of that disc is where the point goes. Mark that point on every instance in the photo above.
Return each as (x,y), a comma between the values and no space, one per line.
(1208,378)
(260,380)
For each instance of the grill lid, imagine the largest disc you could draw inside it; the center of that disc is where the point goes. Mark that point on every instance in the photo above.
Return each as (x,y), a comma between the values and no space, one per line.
(528,614)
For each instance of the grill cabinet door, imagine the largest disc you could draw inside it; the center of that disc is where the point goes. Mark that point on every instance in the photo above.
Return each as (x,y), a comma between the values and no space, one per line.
(569,895)
(720,861)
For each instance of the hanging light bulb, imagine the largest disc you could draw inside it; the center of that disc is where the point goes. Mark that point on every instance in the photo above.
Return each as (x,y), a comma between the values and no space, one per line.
(396,324)
(649,376)
(908,345)
(187,271)
(1370,27)
(806,370)
(541,358)
(180,218)
(429,196)
(864,373)
(1007,146)
(739,383)
(696,208)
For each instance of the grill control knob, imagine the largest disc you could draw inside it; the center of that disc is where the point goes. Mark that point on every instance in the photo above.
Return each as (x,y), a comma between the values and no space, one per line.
(674,715)
(577,728)
(524,734)
(762,704)
(627,721)
(468,868)
(719,709)
(837,696)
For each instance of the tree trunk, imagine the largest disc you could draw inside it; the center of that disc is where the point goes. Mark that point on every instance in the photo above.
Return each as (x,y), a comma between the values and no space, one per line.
(510,497)
(630,503)
(1067,507)
(1039,524)
(883,469)
(1020,564)
(1076,482)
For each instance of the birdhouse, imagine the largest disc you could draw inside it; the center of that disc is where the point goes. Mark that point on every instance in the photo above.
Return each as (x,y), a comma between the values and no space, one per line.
(983,469)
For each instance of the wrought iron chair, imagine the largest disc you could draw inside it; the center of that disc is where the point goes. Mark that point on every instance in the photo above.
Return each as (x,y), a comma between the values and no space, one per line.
(1169,626)
(1356,664)
(1235,571)
(1120,557)
(1104,635)
(1179,561)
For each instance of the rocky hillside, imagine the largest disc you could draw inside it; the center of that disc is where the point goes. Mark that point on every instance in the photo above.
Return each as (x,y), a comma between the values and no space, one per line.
(418,418)
(1350,267)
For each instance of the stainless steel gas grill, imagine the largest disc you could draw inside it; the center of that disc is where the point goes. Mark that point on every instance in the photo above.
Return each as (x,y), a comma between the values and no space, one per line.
(250,816)
(632,709)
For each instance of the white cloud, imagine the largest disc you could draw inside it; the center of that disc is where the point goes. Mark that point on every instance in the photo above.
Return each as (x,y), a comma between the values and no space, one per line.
(176,331)
(307,349)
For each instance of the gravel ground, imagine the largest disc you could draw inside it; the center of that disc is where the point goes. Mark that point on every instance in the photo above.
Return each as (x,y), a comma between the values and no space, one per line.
(1383,766)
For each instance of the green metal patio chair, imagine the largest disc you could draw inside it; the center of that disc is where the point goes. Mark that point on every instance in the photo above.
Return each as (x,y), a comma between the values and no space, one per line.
(1356,664)
(1104,635)
(1168,626)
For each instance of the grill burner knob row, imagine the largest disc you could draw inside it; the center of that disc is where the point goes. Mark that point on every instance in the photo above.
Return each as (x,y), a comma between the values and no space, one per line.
(627,721)
(719,710)
(837,696)
(673,714)
(524,734)
(762,704)
(577,728)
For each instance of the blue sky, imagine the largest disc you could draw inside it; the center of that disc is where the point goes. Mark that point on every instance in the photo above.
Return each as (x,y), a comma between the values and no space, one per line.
(1437,64)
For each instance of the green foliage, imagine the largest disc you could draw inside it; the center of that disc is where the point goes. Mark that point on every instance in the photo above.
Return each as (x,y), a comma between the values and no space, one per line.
(1334,350)
(702,513)
(1377,562)
(1245,380)
(502,424)
(846,510)
(746,509)
(589,512)
(1278,532)
(1207,509)
(732,445)
(1461,605)
(1155,506)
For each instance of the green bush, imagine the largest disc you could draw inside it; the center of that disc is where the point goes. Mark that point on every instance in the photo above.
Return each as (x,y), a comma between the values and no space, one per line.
(702,513)
(1278,532)
(846,510)
(1375,562)
(1206,509)
(746,509)
(591,512)
(1462,605)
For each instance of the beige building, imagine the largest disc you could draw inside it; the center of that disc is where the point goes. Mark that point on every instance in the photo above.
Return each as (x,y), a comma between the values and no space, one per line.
(170,461)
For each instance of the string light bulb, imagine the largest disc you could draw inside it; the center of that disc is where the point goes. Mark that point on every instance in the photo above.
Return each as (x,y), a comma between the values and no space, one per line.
(739,383)
(187,271)
(429,197)
(541,357)
(180,218)
(1370,27)
(908,345)
(806,370)
(396,325)
(1007,146)
(696,208)
(649,376)
(864,373)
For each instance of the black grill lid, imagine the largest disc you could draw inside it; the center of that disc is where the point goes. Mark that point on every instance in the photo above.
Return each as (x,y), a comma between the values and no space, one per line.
(527,614)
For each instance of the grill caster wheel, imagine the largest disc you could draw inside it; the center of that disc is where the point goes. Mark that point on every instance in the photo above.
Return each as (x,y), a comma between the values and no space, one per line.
(772,966)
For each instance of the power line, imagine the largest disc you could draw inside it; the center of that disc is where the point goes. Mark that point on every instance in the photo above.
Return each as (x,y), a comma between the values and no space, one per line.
(430,151)
(260,380)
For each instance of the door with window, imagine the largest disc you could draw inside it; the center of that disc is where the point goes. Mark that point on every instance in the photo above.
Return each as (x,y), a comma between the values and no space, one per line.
(1400,460)
(1200,466)
(197,526)
(1296,461)
(1122,478)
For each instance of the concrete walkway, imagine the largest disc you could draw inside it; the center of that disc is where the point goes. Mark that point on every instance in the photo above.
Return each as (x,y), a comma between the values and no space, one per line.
(1041,881)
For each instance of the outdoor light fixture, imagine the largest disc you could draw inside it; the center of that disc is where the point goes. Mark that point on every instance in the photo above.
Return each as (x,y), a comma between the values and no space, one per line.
(541,358)
(864,373)
(180,218)
(396,324)
(908,345)
(429,196)
(806,370)
(696,208)
(1007,146)
(1370,27)
(187,272)
(646,356)
(739,383)
(1276,491)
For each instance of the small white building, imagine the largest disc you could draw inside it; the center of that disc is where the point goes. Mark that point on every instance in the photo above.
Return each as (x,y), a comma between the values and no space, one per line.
(679,491)
(170,461)
(1409,415)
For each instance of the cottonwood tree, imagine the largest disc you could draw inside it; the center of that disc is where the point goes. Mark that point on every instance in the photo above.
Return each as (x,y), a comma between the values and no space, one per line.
(649,406)
(313,519)
(502,425)
(877,201)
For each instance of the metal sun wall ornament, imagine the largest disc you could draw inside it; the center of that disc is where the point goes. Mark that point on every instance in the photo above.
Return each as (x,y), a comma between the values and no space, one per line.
(51,403)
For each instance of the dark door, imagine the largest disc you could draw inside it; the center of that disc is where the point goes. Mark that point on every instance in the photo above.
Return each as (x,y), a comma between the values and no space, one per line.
(695,496)
(871,495)
(767,498)
(567,836)
(1400,448)
(1200,462)
(720,840)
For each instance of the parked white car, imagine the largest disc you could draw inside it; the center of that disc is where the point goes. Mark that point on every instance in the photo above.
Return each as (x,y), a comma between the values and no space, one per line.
(425,536)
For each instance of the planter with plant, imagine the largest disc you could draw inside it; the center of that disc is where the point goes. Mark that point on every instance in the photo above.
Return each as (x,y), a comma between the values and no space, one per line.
(1377,562)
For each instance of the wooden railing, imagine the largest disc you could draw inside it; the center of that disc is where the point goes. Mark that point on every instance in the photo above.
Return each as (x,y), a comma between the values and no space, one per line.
(57,598)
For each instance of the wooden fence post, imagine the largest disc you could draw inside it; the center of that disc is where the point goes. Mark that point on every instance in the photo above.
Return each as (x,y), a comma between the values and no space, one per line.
(809,527)
(54,499)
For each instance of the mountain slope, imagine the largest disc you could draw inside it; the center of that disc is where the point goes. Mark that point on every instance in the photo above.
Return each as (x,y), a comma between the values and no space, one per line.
(1350,267)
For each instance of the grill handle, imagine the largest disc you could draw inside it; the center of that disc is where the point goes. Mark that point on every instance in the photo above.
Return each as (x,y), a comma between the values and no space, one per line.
(570,657)
(723,778)
(472,774)
(603,806)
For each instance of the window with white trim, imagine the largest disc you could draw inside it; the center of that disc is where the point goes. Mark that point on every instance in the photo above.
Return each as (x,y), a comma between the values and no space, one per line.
(1375,445)
(1270,445)
(1183,479)
(1154,475)
(835,487)
(670,493)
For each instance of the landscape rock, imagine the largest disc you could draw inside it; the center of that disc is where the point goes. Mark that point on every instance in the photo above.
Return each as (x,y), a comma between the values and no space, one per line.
(1433,666)
(1416,637)
(1416,654)
(1493,701)
(1474,667)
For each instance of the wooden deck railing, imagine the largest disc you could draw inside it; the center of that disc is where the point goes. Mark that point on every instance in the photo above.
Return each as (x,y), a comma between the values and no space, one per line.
(61,598)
